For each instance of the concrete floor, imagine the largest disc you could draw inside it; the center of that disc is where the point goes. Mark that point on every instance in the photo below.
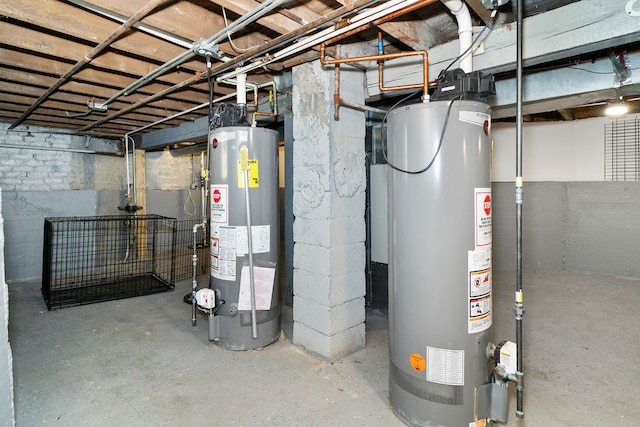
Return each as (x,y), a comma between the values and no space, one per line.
(139,362)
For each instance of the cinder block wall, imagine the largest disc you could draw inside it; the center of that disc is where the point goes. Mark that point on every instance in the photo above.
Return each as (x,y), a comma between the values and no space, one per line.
(37,183)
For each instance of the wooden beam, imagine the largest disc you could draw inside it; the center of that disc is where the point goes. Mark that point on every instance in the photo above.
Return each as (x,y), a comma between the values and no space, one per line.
(47,45)
(483,13)
(89,90)
(141,202)
(67,19)
(74,101)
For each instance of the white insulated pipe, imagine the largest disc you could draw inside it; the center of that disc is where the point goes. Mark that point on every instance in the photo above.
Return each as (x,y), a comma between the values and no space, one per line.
(368,15)
(465,32)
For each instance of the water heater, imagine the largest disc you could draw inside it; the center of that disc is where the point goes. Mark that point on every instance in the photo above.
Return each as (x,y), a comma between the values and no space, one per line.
(243,215)
(440,292)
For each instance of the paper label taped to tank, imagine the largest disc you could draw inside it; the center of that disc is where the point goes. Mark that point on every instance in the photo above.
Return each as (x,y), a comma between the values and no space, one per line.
(445,366)
(482,203)
(263,279)
(479,290)
(260,239)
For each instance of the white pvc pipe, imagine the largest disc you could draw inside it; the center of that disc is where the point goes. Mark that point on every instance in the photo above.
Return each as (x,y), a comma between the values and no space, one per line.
(465,32)
(241,88)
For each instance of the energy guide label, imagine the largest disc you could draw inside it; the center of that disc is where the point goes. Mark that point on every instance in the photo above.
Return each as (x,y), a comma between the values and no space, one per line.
(445,366)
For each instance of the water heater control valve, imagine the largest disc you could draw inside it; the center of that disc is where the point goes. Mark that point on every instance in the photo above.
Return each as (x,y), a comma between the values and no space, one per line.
(505,356)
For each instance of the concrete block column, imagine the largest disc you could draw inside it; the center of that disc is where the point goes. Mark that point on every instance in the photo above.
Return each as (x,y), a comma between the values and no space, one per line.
(329,180)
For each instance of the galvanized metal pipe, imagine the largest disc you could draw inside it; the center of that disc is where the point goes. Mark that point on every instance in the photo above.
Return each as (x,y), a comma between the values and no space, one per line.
(519,305)
(254,325)
(64,150)
(311,27)
(194,282)
(243,21)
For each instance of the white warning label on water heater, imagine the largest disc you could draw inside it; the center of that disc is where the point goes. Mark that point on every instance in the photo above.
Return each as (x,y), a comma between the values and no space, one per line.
(219,202)
(223,252)
(474,117)
(479,290)
(482,203)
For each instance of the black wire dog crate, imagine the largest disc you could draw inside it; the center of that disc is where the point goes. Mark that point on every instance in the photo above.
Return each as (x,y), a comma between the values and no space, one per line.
(95,259)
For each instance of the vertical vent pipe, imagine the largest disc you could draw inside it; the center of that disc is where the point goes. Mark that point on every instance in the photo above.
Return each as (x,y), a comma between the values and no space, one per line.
(465,32)
(241,88)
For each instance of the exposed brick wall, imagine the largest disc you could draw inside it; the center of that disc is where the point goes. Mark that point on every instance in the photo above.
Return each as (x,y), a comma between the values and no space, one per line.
(39,183)
(42,170)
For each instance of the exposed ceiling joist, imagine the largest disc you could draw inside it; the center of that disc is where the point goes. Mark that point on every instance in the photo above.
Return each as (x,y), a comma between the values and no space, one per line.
(42,41)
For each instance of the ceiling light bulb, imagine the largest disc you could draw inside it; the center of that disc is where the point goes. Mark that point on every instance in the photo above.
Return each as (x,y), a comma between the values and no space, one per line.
(616,109)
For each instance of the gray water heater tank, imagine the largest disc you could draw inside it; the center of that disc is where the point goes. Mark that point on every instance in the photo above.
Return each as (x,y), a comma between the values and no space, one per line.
(440,293)
(232,324)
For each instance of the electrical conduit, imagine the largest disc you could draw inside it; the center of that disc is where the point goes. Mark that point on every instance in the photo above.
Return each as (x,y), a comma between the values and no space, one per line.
(356,21)
(279,41)
(244,164)
(519,304)
(235,26)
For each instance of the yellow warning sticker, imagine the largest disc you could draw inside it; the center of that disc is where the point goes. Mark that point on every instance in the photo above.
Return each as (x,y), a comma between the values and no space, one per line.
(253,174)
(417,362)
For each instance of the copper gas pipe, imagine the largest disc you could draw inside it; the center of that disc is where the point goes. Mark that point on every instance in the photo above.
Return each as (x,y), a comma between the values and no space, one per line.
(273,100)
(381,58)
(337,100)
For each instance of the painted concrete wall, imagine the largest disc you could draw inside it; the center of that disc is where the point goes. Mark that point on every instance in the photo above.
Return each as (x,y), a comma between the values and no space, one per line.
(7,413)
(553,151)
(572,218)
(171,185)
(588,227)
(38,183)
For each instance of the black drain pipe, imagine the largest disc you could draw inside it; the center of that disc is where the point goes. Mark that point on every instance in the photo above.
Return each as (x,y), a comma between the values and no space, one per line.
(519,307)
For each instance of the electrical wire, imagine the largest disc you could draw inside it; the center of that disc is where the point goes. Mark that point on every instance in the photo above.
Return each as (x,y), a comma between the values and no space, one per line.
(236,48)
(435,155)
(472,47)
(193,203)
